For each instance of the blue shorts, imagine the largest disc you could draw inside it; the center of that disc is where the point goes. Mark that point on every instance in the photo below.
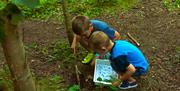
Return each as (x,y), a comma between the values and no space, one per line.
(140,72)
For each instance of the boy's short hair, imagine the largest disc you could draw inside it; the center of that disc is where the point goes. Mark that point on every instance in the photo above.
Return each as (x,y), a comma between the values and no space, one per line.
(80,24)
(99,39)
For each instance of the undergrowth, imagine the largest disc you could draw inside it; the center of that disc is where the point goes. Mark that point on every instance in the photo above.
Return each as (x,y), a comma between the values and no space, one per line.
(172,4)
(52,10)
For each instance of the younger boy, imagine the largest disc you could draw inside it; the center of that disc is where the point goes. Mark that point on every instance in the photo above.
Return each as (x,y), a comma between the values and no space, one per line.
(126,59)
(83,28)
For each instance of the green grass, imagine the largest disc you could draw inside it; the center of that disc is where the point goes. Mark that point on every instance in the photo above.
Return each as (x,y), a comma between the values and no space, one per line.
(51,83)
(2,4)
(61,51)
(127,4)
(51,10)
(85,7)
(172,5)
(48,10)
(5,78)
(92,8)
(74,88)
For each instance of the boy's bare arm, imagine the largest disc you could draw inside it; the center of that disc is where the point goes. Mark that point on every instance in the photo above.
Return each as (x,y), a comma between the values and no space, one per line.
(74,42)
(81,40)
(122,77)
(130,70)
(116,35)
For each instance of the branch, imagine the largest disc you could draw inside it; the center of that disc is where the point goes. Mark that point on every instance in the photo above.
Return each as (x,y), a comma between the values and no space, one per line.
(77,74)
(133,39)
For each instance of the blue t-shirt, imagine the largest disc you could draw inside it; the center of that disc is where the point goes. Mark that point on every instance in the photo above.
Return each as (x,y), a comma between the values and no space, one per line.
(102,26)
(124,53)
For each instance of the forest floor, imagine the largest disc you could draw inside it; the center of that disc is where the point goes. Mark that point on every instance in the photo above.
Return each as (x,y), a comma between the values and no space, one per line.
(157,30)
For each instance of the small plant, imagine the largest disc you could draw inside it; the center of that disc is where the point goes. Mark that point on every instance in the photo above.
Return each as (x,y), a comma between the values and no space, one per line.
(62,51)
(105,2)
(109,80)
(89,8)
(74,88)
(32,45)
(52,83)
(5,79)
(42,13)
(2,4)
(99,79)
(112,79)
(172,4)
(113,88)
(177,49)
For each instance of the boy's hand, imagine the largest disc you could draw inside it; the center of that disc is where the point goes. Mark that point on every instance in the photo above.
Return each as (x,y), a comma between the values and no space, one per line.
(100,56)
(93,61)
(116,83)
(116,36)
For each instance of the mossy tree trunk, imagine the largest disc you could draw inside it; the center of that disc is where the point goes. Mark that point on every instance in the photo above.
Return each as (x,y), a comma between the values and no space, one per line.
(15,56)
(67,21)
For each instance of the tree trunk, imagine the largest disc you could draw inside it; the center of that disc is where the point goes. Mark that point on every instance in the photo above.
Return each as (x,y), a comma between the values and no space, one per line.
(67,21)
(15,56)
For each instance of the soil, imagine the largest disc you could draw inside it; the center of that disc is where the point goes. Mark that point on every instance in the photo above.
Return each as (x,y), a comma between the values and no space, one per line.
(155,28)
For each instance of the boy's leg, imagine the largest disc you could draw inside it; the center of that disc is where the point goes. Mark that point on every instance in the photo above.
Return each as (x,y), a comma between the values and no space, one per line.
(139,72)
(131,79)
(129,83)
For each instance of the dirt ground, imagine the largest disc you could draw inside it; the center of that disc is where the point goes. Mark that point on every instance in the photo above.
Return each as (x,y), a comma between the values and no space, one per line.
(157,30)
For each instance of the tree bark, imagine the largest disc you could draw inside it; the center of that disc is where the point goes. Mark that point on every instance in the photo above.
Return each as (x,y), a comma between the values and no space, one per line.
(15,56)
(67,21)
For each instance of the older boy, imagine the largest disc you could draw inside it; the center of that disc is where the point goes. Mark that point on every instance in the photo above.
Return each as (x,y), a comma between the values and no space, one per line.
(126,59)
(83,28)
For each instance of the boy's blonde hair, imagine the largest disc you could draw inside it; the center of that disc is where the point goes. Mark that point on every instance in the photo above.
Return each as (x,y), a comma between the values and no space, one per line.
(99,39)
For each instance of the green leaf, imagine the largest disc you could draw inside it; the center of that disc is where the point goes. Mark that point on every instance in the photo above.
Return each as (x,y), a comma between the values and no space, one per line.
(29,3)
(99,79)
(113,88)
(43,1)
(74,88)
(2,5)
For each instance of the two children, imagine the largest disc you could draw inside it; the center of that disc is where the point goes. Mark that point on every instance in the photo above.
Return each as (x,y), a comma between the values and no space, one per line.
(83,28)
(126,59)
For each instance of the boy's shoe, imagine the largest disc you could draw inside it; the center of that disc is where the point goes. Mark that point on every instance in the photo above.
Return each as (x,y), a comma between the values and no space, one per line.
(88,58)
(127,85)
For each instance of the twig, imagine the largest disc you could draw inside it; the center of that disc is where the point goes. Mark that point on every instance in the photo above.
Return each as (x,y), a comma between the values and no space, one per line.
(77,74)
(77,69)
(133,39)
